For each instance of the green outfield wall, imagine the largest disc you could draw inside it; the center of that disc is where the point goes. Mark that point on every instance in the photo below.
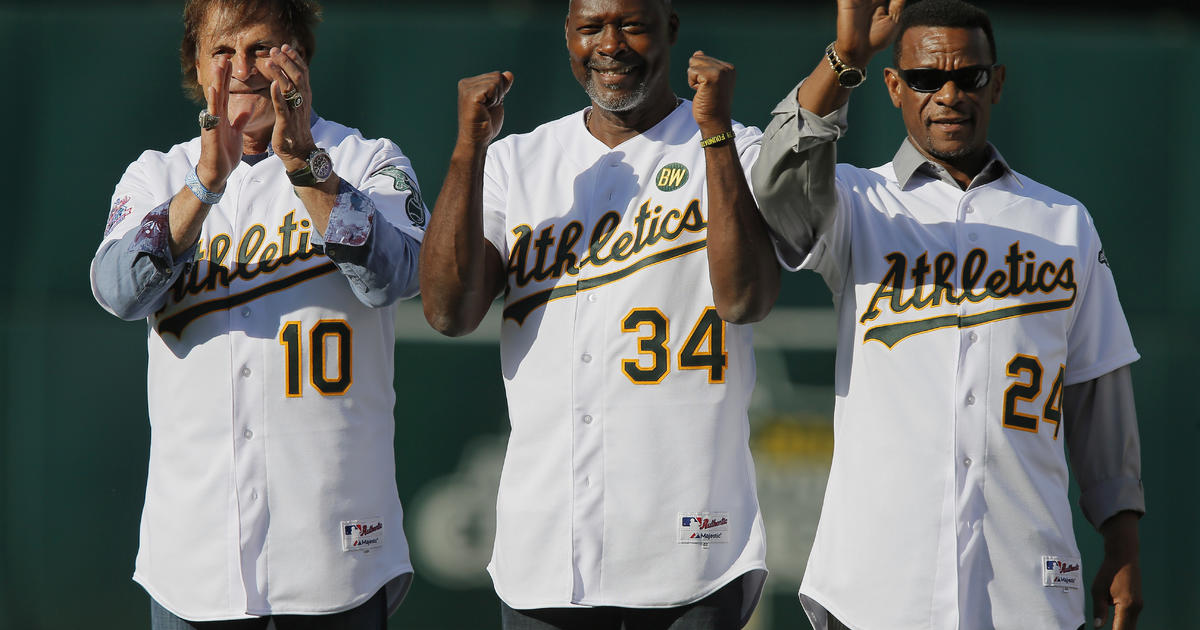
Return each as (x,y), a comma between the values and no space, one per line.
(1103,108)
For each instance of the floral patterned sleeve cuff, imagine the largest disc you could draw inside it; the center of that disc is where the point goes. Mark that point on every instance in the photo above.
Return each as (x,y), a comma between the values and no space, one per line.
(351,218)
(153,237)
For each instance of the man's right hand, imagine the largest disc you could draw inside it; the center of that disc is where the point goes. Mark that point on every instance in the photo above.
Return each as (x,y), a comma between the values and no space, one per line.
(221,146)
(481,107)
(865,27)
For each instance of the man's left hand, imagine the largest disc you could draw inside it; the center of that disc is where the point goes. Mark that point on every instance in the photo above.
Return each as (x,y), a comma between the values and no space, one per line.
(292,136)
(713,81)
(1118,583)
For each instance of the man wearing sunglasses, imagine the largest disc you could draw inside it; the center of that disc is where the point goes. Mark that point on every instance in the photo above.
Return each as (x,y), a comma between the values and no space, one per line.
(979,337)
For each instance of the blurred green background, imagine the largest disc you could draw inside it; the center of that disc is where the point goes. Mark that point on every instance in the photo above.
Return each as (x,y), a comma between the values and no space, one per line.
(1100,105)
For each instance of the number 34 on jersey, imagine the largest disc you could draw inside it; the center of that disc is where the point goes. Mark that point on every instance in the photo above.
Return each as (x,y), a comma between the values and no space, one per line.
(703,348)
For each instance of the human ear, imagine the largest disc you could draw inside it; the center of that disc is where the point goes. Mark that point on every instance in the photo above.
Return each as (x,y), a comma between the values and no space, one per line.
(892,79)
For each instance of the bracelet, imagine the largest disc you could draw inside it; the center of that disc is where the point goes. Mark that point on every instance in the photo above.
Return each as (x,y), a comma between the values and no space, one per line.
(205,195)
(718,139)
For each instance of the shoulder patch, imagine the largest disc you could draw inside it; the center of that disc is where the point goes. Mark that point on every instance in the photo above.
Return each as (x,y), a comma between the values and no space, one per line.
(671,177)
(1103,259)
(415,206)
(120,209)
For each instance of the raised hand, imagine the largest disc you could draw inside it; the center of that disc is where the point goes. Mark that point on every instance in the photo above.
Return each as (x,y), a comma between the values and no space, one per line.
(713,81)
(221,146)
(865,27)
(291,94)
(481,106)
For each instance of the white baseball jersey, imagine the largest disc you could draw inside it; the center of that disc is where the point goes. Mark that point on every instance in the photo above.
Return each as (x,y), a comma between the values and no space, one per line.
(628,479)
(271,483)
(962,315)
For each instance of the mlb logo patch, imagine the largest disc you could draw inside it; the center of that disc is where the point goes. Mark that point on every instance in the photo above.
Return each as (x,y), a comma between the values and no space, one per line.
(363,535)
(1062,572)
(702,528)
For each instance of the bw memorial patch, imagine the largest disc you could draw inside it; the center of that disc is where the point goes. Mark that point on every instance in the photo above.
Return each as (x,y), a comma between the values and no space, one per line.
(671,177)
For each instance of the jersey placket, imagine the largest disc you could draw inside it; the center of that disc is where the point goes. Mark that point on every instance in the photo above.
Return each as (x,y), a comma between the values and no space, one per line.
(249,400)
(591,328)
(970,431)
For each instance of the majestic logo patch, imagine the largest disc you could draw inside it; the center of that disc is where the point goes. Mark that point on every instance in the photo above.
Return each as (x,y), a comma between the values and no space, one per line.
(1061,572)
(414,207)
(671,177)
(362,535)
(702,528)
(1103,259)
(121,209)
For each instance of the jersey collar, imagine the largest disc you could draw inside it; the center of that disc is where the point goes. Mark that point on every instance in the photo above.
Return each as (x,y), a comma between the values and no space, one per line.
(909,162)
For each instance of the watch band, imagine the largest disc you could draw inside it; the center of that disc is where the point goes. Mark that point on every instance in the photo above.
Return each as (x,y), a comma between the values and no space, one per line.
(303,176)
(848,76)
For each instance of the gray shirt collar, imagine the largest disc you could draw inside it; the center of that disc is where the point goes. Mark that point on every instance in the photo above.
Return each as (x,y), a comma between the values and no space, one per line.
(909,162)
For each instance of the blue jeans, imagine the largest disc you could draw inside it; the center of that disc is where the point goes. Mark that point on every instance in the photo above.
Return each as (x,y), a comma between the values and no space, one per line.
(720,611)
(371,615)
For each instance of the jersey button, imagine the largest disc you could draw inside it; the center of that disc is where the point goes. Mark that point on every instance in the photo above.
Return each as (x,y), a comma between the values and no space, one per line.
(586,358)
(248,433)
(967,461)
(973,237)
(254,495)
(245,312)
(246,372)
(970,209)
(591,297)
(970,399)
(587,481)
(973,337)
(587,419)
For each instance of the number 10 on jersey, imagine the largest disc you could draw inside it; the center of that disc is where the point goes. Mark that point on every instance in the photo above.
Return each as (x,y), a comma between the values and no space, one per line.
(328,345)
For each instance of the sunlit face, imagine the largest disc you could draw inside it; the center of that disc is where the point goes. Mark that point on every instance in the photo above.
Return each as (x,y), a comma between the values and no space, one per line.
(247,47)
(949,125)
(620,49)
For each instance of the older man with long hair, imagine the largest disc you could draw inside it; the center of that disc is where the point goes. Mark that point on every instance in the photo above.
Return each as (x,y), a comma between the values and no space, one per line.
(266,256)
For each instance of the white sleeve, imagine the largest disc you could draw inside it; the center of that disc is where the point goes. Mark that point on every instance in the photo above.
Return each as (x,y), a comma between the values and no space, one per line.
(495,197)
(1098,341)
(391,183)
(133,266)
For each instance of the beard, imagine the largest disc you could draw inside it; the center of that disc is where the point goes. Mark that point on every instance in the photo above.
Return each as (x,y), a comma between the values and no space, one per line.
(611,101)
(953,155)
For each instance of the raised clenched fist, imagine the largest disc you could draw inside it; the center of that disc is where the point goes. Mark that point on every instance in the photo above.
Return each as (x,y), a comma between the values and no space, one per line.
(481,106)
(713,81)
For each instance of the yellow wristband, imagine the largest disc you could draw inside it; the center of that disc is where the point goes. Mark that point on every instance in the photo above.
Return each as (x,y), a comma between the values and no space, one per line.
(720,138)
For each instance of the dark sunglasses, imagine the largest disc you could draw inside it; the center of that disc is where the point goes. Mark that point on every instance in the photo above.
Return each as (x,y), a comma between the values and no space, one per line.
(931,79)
